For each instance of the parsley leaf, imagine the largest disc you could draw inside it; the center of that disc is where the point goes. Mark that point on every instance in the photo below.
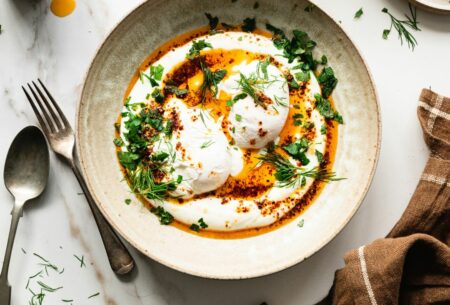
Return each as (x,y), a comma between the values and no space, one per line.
(158,95)
(297,150)
(325,109)
(197,46)
(328,81)
(359,13)
(319,156)
(128,159)
(177,91)
(165,218)
(238,117)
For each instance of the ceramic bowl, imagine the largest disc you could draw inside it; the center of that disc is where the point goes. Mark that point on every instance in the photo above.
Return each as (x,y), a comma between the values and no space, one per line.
(434,6)
(134,38)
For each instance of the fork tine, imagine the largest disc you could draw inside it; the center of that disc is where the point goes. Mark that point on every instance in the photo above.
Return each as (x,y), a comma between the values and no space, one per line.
(36,112)
(56,119)
(61,114)
(43,110)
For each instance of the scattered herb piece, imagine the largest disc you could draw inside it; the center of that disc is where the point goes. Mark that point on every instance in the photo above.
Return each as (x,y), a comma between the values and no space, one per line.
(328,81)
(81,260)
(177,91)
(201,224)
(197,46)
(213,22)
(401,26)
(323,129)
(207,144)
(301,223)
(297,150)
(359,13)
(238,117)
(249,25)
(165,218)
(66,300)
(48,288)
(93,295)
(325,109)
(309,8)
(158,95)
(323,60)
(128,201)
(319,156)
(118,142)
(303,76)
(23,250)
(195,227)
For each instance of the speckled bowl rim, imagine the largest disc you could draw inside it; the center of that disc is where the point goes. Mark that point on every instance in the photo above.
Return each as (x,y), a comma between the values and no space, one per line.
(264,272)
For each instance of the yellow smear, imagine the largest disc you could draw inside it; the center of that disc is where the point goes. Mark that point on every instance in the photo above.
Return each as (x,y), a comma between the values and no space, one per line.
(62,8)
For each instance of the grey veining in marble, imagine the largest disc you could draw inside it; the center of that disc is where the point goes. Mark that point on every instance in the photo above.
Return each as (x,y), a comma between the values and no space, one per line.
(34,43)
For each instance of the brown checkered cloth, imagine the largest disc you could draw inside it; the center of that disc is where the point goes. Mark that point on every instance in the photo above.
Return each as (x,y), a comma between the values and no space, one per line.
(412,264)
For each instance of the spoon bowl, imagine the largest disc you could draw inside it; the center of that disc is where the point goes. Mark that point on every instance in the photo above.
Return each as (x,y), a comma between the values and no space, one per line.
(25,175)
(27,164)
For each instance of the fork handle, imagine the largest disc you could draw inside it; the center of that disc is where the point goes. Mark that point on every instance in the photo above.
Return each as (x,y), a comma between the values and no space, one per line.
(119,258)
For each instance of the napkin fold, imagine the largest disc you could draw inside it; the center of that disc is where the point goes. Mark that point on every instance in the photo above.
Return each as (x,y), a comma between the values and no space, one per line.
(412,264)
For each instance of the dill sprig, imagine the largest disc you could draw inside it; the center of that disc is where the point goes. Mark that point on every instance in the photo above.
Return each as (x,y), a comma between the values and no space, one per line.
(143,183)
(401,26)
(210,80)
(290,175)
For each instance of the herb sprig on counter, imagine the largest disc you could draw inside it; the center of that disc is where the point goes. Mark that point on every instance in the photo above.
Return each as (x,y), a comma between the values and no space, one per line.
(402,27)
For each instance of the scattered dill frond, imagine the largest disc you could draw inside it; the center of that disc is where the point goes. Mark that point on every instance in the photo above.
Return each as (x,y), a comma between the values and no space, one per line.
(401,26)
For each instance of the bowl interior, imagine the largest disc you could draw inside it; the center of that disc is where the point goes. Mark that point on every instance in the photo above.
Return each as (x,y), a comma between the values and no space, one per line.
(155,22)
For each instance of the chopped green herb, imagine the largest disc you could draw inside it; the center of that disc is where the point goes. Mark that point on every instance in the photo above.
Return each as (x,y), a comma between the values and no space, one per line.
(303,76)
(128,159)
(94,295)
(298,150)
(165,218)
(323,60)
(359,13)
(319,156)
(202,223)
(158,95)
(213,22)
(301,223)
(207,144)
(81,260)
(328,81)
(66,300)
(294,85)
(154,75)
(118,142)
(195,227)
(323,129)
(160,156)
(197,46)
(48,288)
(177,91)
(297,116)
(325,109)
(299,47)
(297,122)
(128,201)
(249,25)
(238,117)
(309,8)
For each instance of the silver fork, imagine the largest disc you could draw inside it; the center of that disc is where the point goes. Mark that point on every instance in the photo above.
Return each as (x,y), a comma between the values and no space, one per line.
(62,140)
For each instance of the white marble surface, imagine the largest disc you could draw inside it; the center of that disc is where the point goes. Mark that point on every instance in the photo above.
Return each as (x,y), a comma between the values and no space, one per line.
(34,44)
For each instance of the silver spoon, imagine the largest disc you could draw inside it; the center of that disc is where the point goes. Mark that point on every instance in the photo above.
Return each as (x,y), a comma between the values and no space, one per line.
(25,175)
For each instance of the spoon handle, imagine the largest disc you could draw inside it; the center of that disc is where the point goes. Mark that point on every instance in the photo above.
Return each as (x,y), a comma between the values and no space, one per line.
(119,258)
(5,289)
